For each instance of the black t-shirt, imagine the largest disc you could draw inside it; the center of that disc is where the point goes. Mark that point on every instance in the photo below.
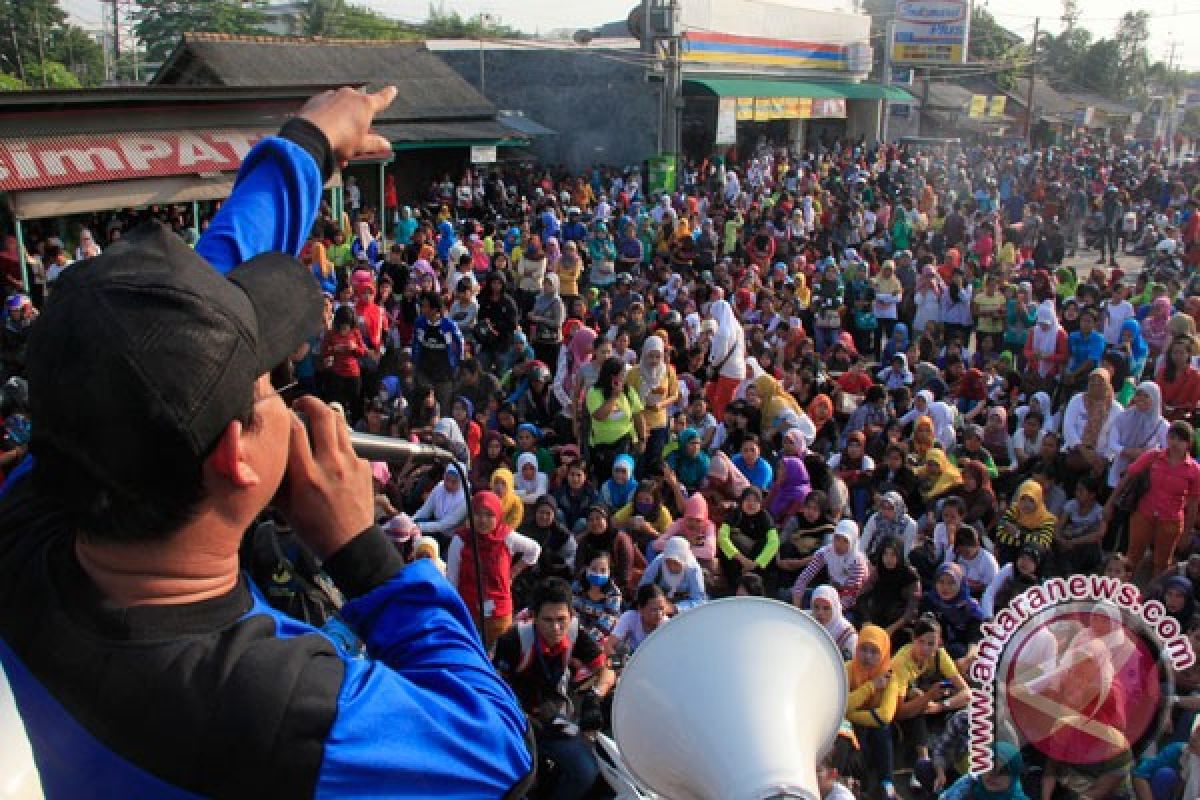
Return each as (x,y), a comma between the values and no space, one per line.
(542,687)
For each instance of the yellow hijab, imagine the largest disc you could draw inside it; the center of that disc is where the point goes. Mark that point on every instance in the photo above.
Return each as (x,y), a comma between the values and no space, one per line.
(803,293)
(887,282)
(948,477)
(1040,515)
(775,401)
(510,503)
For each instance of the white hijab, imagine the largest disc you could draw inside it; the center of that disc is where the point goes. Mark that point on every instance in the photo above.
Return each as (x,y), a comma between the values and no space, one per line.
(837,623)
(728,339)
(519,481)
(676,549)
(652,377)
(839,566)
(1045,339)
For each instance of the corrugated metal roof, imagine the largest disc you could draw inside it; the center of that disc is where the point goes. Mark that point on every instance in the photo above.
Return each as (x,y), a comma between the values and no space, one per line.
(50,161)
(427,87)
(483,131)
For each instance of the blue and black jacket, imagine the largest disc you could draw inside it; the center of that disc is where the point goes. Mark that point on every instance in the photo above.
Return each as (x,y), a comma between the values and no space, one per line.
(228,697)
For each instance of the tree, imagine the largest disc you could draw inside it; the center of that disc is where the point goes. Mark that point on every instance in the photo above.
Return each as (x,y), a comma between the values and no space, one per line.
(442,24)
(1063,55)
(160,23)
(335,19)
(11,83)
(1133,32)
(33,31)
(991,42)
(51,75)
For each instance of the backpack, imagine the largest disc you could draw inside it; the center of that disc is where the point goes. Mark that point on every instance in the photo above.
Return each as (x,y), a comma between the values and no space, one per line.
(290,579)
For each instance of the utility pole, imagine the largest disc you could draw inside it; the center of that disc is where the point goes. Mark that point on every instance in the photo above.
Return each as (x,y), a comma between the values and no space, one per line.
(37,20)
(116,47)
(1037,21)
(885,109)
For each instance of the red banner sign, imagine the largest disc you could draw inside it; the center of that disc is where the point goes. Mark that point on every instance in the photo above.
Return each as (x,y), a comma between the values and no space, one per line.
(42,163)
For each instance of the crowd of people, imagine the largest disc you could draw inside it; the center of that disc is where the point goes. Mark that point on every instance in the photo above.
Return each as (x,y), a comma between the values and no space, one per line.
(885,385)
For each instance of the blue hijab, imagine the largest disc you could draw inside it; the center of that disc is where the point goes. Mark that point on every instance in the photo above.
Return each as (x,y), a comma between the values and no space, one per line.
(1138,346)
(446,240)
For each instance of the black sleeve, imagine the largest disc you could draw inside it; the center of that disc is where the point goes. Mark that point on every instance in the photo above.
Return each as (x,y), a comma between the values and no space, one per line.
(364,562)
(313,140)
(586,649)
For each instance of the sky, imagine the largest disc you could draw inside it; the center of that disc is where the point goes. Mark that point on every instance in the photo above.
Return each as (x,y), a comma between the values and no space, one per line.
(1171,20)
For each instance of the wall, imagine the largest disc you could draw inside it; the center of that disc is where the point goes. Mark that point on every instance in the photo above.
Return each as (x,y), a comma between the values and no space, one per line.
(862,119)
(779,20)
(603,109)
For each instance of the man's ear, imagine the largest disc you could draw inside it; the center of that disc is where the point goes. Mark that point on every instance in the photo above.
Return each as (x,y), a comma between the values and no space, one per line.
(228,458)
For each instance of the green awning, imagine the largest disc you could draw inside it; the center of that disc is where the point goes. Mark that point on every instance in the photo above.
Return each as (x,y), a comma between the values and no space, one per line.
(872,91)
(752,87)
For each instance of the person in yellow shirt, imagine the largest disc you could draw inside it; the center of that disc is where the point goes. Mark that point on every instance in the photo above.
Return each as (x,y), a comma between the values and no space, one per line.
(871,704)
(928,681)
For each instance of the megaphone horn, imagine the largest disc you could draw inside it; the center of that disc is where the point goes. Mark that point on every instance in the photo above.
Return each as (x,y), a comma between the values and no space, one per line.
(737,699)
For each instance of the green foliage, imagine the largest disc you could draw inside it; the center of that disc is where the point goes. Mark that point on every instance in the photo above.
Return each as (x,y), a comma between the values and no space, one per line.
(335,19)
(53,76)
(442,24)
(38,29)
(11,83)
(159,24)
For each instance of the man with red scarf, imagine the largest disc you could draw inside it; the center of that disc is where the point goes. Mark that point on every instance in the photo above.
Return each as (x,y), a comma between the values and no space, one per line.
(539,660)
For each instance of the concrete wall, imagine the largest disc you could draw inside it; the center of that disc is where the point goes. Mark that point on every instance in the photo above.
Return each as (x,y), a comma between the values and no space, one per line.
(602,108)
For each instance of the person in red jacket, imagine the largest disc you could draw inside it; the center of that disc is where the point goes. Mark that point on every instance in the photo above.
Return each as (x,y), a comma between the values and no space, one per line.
(340,351)
(497,543)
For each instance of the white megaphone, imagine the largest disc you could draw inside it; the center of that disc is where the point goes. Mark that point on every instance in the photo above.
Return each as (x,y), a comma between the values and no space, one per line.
(737,699)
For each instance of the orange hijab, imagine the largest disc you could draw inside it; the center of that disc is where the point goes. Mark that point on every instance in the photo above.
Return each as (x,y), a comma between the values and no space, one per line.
(859,674)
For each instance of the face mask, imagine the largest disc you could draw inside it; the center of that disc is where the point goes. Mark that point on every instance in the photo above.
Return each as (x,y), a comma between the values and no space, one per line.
(644,508)
(597,579)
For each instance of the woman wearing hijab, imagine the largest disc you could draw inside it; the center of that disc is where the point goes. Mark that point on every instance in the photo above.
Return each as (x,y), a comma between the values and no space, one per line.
(678,574)
(504,487)
(655,382)
(1155,327)
(1046,350)
(447,434)
(826,608)
(789,489)
(1131,342)
(897,343)
(977,494)
(942,415)
(939,478)
(890,522)
(1003,782)
(871,704)
(958,613)
(530,484)
(688,463)
(927,297)
(726,358)
(1139,428)
(600,536)
(827,436)
(445,508)
(780,411)
(842,562)
(1026,522)
(547,317)
(493,545)
(1087,421)
(923,440)
(892,593)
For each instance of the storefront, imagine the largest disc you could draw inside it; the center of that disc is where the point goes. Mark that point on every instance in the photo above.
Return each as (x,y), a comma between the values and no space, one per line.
(67,154)
(722,112)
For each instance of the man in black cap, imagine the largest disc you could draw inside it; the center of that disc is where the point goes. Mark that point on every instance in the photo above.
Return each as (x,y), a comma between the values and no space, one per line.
(142,662)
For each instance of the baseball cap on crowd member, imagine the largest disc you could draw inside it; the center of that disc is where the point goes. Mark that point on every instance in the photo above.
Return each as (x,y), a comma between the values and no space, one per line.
(144,358)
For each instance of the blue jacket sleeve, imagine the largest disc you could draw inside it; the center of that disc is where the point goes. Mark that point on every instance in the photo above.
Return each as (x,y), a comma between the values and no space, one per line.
(458,347)
(272,208)
(428,684)
(694,578)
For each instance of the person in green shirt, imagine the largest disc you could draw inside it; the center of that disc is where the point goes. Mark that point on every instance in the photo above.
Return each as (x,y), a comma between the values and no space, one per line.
(901,230)
(339,251)
(615,418)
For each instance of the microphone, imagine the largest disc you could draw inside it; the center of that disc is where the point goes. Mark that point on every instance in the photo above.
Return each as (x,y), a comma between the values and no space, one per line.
(385,448)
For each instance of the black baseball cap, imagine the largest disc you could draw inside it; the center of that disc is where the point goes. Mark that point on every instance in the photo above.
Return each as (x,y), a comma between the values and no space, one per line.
(146,353)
